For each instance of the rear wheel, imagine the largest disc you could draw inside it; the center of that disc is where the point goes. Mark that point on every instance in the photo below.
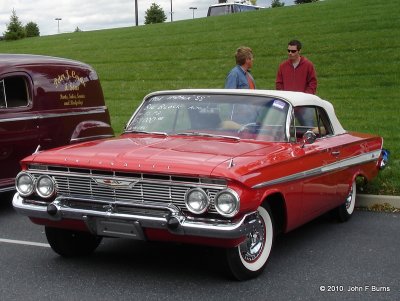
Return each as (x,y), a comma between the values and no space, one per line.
(345,211)
(71,243)
(248,260)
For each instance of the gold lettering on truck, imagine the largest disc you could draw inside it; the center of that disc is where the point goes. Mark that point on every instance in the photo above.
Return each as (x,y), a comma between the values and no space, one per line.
(71,82)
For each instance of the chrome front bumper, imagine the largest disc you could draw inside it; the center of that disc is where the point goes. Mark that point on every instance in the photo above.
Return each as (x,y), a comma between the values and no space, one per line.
(109,222)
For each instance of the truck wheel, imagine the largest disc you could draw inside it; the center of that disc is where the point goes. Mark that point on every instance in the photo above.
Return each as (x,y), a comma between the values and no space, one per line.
(248,260)
(70,243)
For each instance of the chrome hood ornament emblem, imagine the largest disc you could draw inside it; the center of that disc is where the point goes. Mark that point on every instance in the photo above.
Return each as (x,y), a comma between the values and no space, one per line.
(117,184)
(231,163)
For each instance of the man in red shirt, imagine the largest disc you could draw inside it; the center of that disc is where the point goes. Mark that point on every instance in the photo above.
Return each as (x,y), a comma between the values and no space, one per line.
(297,73)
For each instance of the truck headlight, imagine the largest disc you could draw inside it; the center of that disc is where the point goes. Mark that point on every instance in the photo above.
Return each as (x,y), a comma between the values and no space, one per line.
(197,201)
(227,202)
(45,187)
(25,184)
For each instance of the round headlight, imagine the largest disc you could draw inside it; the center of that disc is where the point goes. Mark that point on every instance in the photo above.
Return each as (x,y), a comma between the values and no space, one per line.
(24,184)
(197,201)
(45,187)
(227,203)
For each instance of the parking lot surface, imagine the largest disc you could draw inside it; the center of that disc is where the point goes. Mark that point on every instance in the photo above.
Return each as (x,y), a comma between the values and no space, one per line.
(323,260)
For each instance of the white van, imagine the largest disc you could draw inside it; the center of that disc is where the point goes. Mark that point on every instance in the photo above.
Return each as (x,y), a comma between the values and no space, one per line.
(231,8)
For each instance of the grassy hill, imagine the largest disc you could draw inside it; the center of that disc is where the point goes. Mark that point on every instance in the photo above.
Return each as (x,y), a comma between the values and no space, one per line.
(353,44)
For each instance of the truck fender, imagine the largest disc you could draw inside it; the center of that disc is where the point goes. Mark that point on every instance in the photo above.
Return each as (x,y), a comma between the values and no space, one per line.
(91,130)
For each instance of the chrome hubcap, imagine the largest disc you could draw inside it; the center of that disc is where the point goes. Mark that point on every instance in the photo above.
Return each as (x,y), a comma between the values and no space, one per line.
(349,198)
(252,247)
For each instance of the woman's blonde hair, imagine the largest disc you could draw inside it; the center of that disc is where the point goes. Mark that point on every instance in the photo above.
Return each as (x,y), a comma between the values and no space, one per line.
(243,53)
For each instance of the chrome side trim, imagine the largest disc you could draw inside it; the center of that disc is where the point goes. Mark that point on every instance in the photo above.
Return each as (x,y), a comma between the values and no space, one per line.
(75,140)
(19,119)
(5,189)
(364,158)
(53,115)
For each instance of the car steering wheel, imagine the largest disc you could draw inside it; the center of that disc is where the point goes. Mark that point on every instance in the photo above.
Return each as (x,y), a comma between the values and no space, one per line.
(248,126)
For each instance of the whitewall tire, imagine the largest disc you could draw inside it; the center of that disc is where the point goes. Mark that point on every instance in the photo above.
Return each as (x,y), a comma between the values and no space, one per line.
(248,260)
(346,210)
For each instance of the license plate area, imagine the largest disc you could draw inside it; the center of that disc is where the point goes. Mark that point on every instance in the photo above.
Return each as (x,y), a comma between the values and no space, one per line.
(118,228)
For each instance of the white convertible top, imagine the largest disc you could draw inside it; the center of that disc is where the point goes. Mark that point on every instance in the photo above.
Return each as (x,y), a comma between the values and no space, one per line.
(294,98)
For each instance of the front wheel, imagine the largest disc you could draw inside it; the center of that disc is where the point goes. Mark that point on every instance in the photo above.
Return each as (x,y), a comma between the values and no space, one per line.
(345,211)
(70,243)
(248,260)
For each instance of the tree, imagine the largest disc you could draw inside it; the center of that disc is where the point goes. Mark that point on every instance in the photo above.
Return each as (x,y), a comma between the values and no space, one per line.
(277,3)
(253,2)
(32,30)
(304,1)
(155,14)
(15,30)
(77,29)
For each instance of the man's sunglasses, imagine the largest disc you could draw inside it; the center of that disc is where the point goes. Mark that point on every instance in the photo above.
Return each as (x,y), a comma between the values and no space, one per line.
(292,51)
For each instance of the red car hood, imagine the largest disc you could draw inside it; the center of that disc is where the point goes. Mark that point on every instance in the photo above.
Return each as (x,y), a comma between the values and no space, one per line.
(155,154)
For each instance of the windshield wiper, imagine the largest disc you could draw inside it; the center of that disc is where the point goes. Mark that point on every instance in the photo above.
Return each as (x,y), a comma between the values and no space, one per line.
(208,135)
(146,132)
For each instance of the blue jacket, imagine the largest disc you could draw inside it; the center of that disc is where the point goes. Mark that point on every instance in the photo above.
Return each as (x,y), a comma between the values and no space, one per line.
(237,79)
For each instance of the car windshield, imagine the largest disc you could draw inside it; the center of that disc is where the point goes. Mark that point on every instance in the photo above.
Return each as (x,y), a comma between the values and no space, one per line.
(213,115)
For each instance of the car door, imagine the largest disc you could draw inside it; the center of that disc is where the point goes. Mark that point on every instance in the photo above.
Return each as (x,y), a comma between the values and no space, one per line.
(18,125)
(318,161)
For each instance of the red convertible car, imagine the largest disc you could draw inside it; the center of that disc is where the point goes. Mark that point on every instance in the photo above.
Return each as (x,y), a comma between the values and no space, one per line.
(225,168)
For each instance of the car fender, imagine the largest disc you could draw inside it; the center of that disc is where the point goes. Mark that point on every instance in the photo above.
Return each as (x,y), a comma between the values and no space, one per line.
(287,199)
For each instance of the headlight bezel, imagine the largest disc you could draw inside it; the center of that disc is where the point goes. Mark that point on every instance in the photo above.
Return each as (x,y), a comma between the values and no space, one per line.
(235,197)
(17,184)
(189,207)
(52,190)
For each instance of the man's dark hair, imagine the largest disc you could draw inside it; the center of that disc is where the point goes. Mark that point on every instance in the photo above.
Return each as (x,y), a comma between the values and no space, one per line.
(295,43)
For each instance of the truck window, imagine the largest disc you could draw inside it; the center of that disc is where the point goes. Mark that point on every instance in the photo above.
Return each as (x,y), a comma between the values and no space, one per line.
(2,95)
(14,92)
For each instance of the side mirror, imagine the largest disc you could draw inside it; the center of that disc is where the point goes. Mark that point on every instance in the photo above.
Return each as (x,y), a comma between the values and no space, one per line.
(309,137)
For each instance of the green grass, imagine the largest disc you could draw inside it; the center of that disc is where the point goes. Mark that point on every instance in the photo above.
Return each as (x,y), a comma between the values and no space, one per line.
(353,44)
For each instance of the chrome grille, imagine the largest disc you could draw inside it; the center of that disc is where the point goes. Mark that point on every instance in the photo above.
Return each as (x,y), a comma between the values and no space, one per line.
(164,189)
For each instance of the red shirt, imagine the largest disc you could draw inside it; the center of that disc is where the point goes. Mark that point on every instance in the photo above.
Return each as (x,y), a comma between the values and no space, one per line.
(302,78)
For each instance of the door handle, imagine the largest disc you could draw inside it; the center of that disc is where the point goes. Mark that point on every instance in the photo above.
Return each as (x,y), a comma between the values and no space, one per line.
(335,153)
